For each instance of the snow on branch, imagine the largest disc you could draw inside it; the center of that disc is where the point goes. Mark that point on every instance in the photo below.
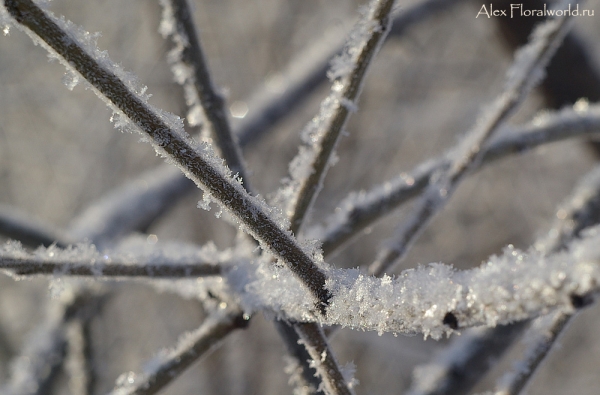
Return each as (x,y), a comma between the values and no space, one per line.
(77,51)
(169,364)
(459,367)
(437,299)
(320,136)
(525,72)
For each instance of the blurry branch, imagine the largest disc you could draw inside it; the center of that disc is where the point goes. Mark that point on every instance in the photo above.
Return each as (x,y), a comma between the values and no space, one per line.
(40,358)
(525,72)
(360,210)
(571,74)
(34,266)
(539,340)
(469,358)
(132,206)
(462,364)
(196,161)
(33,370)
(169,364)
(19,226)
(191,71)
(303,375)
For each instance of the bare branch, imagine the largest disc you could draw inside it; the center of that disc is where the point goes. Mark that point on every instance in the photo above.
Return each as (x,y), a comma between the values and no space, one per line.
(169,364)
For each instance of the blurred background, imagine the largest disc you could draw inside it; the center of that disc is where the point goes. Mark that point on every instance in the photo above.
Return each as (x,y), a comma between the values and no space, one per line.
(59,153)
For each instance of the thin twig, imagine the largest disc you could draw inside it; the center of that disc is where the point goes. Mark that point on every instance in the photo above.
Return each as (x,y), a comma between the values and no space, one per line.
(521,78)
(460,365)
(29,267)
(360,210)
(274,99)
(191,70)
(170,363)
(196,161)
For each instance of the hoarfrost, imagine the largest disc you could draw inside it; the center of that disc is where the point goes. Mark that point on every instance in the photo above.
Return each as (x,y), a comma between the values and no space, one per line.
(513,286)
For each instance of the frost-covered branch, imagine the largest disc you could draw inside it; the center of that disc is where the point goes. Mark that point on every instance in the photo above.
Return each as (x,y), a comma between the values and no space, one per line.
(191,70)
(19,226)
(581,211)
(85,260)
(461,365)
(437,299)
(360,210)
(169,364)
(28,267)
(320,137)
(525,72)
(309,167)
(169,139)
